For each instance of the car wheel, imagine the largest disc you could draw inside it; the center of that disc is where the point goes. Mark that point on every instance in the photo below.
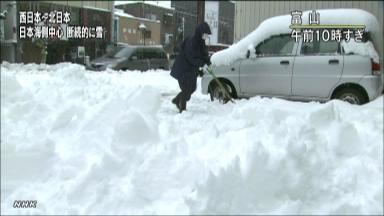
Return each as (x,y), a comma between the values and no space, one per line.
(217,93)
(350,95)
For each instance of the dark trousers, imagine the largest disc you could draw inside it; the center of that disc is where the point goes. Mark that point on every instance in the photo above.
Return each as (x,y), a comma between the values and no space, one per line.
(187,86)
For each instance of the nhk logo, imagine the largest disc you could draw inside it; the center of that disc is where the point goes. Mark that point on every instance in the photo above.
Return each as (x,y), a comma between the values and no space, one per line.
(24,204)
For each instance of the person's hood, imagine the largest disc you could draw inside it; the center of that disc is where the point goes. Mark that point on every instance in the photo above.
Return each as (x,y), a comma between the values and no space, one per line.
(201,29)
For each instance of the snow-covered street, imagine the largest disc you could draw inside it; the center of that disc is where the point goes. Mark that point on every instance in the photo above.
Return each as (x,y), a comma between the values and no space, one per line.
(81,142)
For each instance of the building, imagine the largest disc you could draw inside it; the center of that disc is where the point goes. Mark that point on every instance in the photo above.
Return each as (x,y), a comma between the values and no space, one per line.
(226,22)
(82,13)
(8,31)
(249,14)
(218,14)
(185,20)
(155,13)
(136,31)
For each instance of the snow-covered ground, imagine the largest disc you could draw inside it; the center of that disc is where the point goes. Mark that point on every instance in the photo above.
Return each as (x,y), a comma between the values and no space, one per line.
(81,142)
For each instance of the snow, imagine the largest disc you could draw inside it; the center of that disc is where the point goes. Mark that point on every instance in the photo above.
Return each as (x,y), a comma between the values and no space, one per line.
(364,49)
(82,142)
(162,4)
(120,12)
(280,25)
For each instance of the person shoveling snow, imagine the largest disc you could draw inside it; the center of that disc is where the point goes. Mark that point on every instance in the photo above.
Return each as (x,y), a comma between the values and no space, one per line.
(193,55)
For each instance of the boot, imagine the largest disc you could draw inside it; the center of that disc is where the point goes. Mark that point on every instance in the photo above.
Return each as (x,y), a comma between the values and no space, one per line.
(182,105)
(176,101)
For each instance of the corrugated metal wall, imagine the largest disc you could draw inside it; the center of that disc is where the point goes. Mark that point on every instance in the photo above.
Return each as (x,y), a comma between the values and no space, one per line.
(249,14)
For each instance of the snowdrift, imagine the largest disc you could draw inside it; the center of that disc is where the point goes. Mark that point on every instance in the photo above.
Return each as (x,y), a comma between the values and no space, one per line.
(80,142)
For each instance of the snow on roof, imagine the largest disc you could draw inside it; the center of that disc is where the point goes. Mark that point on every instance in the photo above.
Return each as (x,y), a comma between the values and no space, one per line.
(96,8)
(161,4)
(280,25)
(122,14)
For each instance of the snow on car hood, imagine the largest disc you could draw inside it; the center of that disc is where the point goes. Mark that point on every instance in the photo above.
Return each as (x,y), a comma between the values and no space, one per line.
(280,25)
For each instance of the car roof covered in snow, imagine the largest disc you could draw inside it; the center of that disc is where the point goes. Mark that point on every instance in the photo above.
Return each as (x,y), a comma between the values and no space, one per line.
(280,25)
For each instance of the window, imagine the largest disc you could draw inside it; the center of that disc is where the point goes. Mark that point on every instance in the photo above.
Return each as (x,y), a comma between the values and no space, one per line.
(150,53)
(160,54)
(119,52)
(139,53)
(168,38)
(320,47)
(151,16)
(147,33)
(168,19)
(154,53)
(123,53)
(329,47)
(115,28)
(276,45)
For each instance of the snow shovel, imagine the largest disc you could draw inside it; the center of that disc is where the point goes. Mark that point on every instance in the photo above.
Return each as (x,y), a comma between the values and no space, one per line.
(227,96)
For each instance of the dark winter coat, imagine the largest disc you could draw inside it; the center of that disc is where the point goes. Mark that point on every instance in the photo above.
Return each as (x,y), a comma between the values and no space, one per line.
(193,55)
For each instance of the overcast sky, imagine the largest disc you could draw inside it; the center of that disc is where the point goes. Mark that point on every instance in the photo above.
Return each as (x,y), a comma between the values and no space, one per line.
(159,3)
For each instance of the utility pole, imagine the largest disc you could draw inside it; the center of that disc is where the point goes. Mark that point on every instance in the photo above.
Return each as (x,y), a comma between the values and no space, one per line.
(200,11)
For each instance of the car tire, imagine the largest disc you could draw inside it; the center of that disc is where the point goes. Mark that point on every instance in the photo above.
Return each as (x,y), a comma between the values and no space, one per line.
(351,95)
(217,93)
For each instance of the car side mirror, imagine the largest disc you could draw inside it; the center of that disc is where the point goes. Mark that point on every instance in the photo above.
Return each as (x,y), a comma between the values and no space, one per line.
(248,53)
(133,58)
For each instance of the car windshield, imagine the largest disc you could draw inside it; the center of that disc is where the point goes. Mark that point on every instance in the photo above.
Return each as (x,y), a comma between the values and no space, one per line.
(119,52)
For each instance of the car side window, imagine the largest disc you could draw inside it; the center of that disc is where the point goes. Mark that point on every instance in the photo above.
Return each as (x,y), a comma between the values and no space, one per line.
(134,55)
(161,54)
(329,47)
(279,45)
(320,48)
(150,53)
(156,53)
(140,54)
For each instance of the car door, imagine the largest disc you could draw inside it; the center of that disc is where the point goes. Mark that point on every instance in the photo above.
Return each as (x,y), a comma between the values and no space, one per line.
(138,60)
(270,71)
(317,69)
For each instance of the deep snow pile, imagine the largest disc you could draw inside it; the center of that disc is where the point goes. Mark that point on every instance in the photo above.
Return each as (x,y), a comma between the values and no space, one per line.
(280,25)
(81,142)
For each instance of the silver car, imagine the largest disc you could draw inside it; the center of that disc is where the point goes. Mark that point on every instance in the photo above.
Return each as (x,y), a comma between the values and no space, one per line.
(287,69)
(127,57)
